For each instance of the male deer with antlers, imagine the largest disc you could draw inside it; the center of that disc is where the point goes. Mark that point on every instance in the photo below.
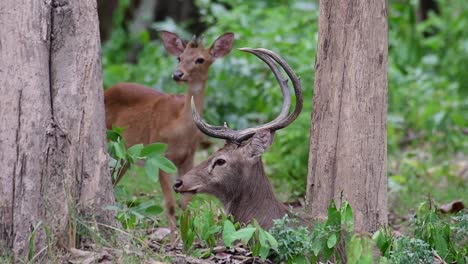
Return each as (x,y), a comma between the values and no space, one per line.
(235,174)
(151,116)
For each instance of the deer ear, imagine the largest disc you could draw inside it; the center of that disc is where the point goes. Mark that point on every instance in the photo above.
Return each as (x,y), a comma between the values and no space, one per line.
(260,143)
(222,45)
(173,43)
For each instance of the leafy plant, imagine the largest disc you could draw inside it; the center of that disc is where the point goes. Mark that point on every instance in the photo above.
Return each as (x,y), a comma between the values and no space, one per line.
(293,239)
(297,244)
(207,225)
(437,233)
(202,222)
(152,154)
(431,233)
(135,213)
(410,250)
(359,250)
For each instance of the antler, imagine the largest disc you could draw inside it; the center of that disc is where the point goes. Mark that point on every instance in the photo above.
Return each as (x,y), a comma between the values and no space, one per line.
(281,121)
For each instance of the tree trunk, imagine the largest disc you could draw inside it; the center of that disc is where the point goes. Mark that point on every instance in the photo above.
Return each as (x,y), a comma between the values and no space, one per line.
(348,151)
(52,137)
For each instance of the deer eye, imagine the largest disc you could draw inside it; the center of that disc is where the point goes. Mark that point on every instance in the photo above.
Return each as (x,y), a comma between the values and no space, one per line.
(178,59)
(199,61)
(219,162)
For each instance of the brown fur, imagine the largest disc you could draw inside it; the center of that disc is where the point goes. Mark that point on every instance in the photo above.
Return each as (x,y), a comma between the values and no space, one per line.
(240,183)
(150,116)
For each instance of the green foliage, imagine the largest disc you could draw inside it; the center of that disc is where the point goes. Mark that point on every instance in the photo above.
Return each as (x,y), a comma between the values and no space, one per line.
(427,98)
(136,213)
(427,80)
(297,244)
(438,234)
(359,250)
(152,154)
(293,239)
(445,236)
(204,223)
(410,250)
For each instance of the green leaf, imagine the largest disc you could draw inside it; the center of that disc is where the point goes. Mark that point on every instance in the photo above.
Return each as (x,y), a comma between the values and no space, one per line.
(135,150)
(332,240)
(334,217)
(244,234)
(316,248)
(186,233)
(228,230)
(298,260)
(155,148)
(32,241)
(154,210)
(267,242)
(347,217)
(152,169)
(354,250)
(272,240)
(113,135)
(163,163)
(119,148)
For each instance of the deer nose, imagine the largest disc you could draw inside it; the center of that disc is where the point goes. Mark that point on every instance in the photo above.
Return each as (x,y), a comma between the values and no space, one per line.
(177,75)
(178,184)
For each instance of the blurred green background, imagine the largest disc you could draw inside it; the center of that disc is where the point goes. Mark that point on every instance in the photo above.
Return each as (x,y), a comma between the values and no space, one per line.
(427,90)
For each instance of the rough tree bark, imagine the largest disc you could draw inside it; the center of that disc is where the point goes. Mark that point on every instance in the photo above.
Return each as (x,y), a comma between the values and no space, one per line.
(348,151)
(52,137)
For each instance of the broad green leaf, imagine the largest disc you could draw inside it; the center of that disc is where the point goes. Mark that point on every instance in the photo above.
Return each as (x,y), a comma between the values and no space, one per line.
(244,234)
(326,253)
(264,252)
(334,217)
(354,250)
(316,248)
(155,148)
(113,135)
(152,169)
(347,217)
(298,260)
(163,163)
(228,230)
(332,240)
(135,150)
(269,238)
(214,229)
(119,148)
(154,210)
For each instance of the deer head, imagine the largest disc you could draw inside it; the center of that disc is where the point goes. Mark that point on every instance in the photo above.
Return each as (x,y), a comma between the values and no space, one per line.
(194,59)
(235,174)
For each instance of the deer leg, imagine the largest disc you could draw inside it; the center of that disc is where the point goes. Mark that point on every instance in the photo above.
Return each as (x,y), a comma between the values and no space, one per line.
(166,187)
(184,168)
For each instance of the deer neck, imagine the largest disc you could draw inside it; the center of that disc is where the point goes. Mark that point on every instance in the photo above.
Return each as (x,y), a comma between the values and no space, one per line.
(256,200)
(197,91)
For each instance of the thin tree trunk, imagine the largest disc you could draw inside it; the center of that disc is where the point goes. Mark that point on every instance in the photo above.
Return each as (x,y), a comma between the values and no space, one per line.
(52,138)
(348,135)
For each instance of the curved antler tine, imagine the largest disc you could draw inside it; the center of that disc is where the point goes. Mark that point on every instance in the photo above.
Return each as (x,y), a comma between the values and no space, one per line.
(282,120)
(222,132)
(296,82)
(279,77)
